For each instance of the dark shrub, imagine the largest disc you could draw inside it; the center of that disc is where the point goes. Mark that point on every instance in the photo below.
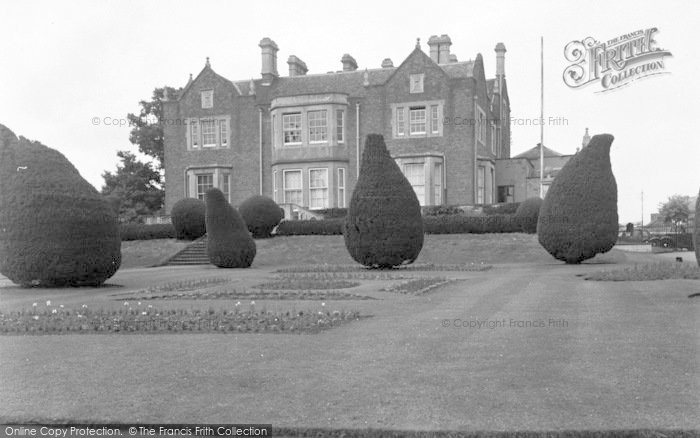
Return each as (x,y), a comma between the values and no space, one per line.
(503,208)
(261,214)
(697,229)
(384,227)
(187,217)
(527,213)
(441,210)
(146,232)
(55,228)
(229,245)
(458,224)
(311,227)
(332,213)
(578,218)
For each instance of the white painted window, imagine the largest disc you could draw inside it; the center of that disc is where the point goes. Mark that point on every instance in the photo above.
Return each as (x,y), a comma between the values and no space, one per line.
(275,197)
(208,133)
(437,184)
(318,126)
(481,125)
(292,187)
(340,125)
(434,119)
(318,188)
(194,133)
(225,185)
(341,187)
(291,128)
(415,174)
(493,139)
(417,120)
(400,121)
(223,133)
(208,99)
(480,181)
(205,181)
(417,83)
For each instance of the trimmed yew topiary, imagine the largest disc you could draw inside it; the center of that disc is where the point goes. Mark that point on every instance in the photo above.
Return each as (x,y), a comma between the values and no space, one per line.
(261,214)
(697,229)
(527,213)
(187,217)
(229,244)
(56,230)
(383,227)
(578,218)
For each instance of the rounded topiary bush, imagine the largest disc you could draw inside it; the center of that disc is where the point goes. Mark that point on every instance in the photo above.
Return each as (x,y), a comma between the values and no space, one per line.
(56,230)
(187,216)
(383,227)
(527,213)
(697,230)
(261,214)
(229,244)
(578,218)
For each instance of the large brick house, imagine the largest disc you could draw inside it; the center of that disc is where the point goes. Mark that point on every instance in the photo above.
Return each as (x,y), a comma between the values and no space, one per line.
(298,138)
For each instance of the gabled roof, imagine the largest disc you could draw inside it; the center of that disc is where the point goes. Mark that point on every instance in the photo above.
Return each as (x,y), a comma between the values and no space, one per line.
(534,153)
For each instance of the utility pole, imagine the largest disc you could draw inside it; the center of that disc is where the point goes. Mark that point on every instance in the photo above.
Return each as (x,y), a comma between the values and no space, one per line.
(642,209)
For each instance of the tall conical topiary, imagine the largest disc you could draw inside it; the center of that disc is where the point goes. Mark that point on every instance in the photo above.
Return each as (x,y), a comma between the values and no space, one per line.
(383,227)
(229,245)
(578,218)
(697,229)
(55,228)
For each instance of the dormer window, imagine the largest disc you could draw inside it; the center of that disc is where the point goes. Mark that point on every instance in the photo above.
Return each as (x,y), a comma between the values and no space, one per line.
(417,83)
(207,99)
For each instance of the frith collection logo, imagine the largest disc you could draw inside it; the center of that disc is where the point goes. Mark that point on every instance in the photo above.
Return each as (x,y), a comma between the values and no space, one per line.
(616,62)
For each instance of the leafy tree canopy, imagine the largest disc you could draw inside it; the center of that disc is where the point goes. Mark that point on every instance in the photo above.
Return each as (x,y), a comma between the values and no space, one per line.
(147,126)
(675,210)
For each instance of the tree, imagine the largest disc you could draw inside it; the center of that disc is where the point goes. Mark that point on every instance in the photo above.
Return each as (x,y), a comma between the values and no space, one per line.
(697,229)
(527,213)
(261,214)
(188,218)
(675,211)
(384,226)
(147,131)
(136,185)
(55,228)
(229,244)
(578,218)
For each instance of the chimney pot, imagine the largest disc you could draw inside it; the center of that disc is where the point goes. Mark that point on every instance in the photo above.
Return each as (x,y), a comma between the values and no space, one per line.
(453,58)
(297,67)
(387,63)
(269,59)
(349,63)
(500,59)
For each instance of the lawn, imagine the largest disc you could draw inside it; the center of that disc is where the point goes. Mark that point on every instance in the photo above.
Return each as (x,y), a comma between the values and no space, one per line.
(527,344)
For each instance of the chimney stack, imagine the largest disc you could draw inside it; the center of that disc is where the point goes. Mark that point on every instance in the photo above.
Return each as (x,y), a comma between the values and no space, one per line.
(387,63)
(297,67)
(349,63)
(269,60)
(500,59)
(453,58)
(440,48)
(586,139)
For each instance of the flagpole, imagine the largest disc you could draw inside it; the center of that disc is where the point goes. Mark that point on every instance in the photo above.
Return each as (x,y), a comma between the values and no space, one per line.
(541,117)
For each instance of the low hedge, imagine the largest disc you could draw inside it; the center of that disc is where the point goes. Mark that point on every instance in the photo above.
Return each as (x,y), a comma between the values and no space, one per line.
(332,213)
(452,224)
(311,227)
(500,209)
(441,210)
(457,224)
(146,232)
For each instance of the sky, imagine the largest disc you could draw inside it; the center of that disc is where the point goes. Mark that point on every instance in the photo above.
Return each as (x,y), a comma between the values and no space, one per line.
(65,63)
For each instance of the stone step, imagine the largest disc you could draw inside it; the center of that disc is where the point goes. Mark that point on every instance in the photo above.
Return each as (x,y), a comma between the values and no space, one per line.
(193,254)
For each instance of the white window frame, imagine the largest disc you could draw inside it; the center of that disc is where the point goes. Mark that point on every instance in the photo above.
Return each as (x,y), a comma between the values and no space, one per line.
(301,183)
(225,183)
(400,121)
(340,126)
(207,99)
(416,83)
(324,189)
(193,135)
(222,133)
(480,184)
(481,125)
(275,195)
(209,122)
(200,194)
(300,129)
(421,199)
(317,127)
(434,119)
(438,182)
(493,138)
(341,187)
(411,122)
